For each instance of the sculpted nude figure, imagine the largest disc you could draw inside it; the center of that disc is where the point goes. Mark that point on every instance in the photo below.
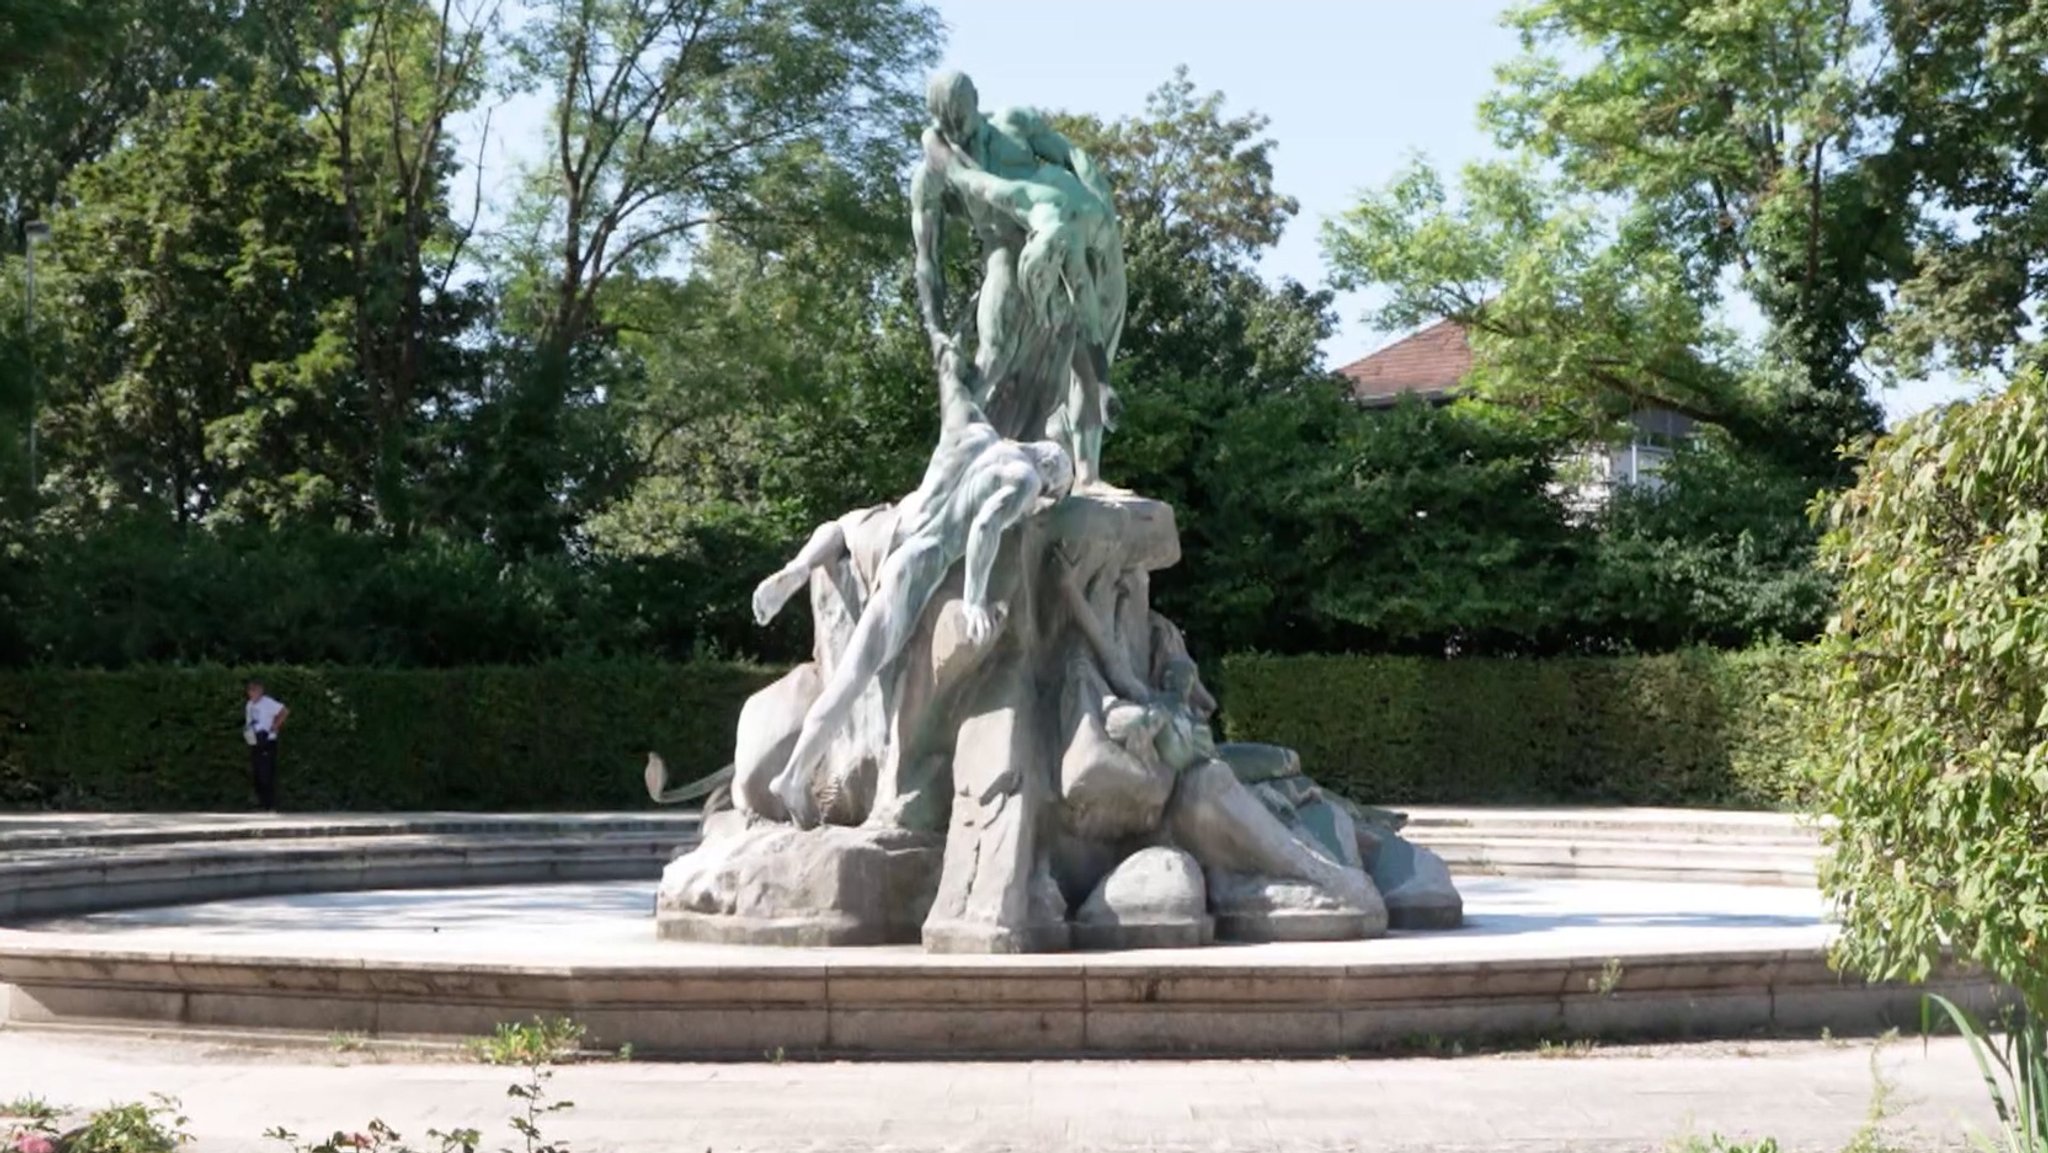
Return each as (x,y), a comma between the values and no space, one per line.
(977,485)
(1046,222)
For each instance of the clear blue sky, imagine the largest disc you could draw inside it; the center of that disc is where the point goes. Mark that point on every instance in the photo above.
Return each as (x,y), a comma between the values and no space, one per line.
(1354,88)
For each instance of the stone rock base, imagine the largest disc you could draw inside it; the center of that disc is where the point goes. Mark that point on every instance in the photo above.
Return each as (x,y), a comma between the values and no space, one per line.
(1416,885)
(1155,899)
(1257,909)
(973,937)
(751,883)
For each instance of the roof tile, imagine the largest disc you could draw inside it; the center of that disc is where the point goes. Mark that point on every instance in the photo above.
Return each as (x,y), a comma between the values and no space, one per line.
(1430,364)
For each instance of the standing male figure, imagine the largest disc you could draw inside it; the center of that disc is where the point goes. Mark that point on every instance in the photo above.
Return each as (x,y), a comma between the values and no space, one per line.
(1051,301)
(262,720)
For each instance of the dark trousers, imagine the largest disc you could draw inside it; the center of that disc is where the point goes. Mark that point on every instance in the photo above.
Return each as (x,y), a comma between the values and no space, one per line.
(263,770)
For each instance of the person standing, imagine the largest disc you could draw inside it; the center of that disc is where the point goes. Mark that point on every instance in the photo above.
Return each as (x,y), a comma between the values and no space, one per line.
(262,720)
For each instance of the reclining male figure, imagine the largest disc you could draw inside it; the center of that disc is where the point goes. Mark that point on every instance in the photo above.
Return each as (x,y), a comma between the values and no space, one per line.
(977,485)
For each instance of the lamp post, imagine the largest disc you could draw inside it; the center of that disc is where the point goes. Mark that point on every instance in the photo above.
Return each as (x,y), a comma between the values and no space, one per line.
(34,233)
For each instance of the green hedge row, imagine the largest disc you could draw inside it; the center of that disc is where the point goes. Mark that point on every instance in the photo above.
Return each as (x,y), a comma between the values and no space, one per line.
(536,738)
(1703,729)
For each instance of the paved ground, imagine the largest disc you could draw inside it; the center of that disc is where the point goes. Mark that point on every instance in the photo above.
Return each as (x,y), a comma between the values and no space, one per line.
(1808,1096)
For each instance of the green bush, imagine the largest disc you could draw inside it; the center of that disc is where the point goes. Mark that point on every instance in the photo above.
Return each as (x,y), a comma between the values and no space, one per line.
(1691,729)
(1694,729)
(537,738)
(1932,714)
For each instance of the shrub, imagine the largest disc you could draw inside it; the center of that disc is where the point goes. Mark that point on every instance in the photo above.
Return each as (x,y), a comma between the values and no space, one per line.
(547,737)
(1694,728)
(1931,718)
(1691,729)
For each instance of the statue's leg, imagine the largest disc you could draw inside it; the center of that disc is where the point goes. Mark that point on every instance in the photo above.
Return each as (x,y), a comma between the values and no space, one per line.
(903,588)
(769,724)
(1113,290)
(1084,416)
(827,544)
(1227,828)
(999,323)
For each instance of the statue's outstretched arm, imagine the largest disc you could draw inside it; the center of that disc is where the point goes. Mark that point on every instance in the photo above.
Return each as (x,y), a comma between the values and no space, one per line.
(985,535)
(827,544)
(1116,666)
(1053,148)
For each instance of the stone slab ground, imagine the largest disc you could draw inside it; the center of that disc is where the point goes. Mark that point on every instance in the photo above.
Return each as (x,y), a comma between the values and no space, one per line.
(1806,1095)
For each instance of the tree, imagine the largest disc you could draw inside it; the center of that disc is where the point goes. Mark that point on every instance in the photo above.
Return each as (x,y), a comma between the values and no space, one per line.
(1743,133)
(1435,531)
(1219,372)
(1719,553)
(801,387)
(383,79)
(668,115)
(1929,745)
(1970,118)
(1575,316)
(73,73)
(1694,146)
(186,292)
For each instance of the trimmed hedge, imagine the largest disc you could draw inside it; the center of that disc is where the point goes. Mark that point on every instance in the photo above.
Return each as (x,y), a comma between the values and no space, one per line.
(1699,729)
(538,738)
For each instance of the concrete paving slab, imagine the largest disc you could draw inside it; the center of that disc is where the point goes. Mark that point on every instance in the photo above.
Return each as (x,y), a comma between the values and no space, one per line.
(1807,1096)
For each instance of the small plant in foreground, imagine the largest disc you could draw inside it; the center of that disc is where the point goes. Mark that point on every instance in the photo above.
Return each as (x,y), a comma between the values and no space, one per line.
(156,1127)
(1580,1047)
(2015,1070)
(377,1137)
(30,1107)
(1868,1139)
(538,1042)
(1719,1144)
(1609,979)
(30,1125)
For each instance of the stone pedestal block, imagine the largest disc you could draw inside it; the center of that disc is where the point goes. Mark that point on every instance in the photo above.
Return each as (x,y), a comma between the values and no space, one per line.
(766,884)
(1416,885)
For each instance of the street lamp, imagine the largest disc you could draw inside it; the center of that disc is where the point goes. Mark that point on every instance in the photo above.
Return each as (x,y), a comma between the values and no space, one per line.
(34,233)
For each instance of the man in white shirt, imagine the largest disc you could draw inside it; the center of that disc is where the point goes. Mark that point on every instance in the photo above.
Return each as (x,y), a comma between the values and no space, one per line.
(262,720)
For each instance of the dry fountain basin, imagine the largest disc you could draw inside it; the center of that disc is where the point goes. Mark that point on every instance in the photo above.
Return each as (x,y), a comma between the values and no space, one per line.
(1579,923)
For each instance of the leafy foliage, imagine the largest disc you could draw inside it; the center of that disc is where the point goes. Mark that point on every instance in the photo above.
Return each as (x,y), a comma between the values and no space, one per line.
(1721,553)
(2014,1068)
(669,116)
(1931,712)
(543,738)
(536,1047)
(1694,729)
(541,1041)
(153,1127)
(186,377)
(1575,317)
(298,409)
(1965,98)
